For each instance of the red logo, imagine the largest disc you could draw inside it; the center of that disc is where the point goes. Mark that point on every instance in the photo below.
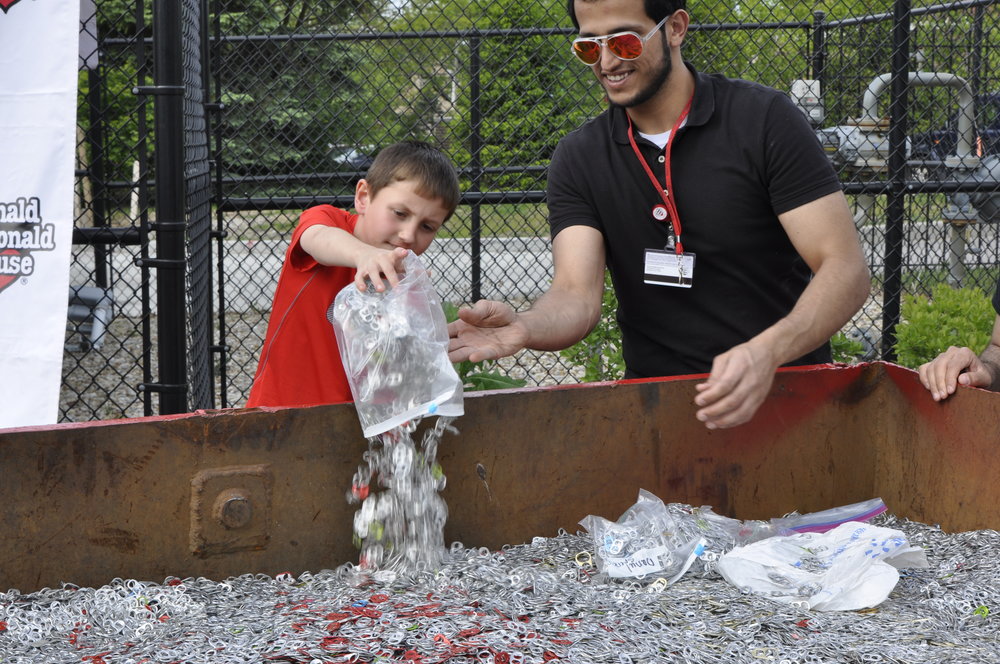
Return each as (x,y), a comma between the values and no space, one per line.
(8,279)
(7,4)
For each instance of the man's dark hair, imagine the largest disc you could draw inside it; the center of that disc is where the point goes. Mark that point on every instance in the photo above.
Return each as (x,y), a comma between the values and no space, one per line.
(655,9)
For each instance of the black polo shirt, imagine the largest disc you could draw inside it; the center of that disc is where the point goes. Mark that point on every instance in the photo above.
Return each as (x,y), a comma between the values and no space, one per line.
(745,155)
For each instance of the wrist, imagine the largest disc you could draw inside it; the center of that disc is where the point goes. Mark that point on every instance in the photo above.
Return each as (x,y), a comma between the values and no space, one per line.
(993,371)
(357,254)
(524,326)
(765,353)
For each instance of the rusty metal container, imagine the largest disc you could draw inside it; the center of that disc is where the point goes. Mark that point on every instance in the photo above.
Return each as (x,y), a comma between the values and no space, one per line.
(222,493)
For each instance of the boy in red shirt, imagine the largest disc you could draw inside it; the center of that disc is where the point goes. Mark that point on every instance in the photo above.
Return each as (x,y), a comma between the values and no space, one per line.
(408,193)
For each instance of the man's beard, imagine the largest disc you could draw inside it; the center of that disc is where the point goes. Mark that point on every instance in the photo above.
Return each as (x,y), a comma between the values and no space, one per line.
(658,81)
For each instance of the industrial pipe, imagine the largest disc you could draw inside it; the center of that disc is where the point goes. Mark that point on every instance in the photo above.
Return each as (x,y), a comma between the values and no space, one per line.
(966,127)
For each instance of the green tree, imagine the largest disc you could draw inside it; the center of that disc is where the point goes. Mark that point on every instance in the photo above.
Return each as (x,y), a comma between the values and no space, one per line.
(950,317)
(289,92)
(532,91)
(285,99)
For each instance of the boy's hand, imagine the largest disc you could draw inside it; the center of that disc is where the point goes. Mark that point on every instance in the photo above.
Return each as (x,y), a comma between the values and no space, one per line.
(381,266)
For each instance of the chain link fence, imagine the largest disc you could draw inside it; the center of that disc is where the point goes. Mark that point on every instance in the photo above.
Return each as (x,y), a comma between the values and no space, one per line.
(284,105)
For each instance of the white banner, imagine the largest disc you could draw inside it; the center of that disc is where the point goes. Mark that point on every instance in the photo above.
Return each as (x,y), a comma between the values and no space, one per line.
(39,59)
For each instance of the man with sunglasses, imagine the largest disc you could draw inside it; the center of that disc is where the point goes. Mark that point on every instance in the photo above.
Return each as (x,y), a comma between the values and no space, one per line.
(729,242)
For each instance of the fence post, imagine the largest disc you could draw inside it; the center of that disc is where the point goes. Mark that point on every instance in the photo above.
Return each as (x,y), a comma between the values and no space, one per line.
(819,49)
(896,204)
(95,171)
(170,261)
(213,83)
(476,166)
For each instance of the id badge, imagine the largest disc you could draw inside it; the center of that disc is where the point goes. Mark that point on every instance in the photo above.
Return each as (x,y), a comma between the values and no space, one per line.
(667,268)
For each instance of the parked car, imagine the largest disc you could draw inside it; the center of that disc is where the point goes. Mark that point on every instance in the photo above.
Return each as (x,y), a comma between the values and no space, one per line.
(938,144)
(344,158)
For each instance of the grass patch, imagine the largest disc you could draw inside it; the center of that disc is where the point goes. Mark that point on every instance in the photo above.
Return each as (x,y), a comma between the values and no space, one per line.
(505,220)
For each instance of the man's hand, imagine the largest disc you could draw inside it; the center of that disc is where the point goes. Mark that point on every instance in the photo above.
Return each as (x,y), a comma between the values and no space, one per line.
(486,331)
(824,235)
(740,380)
(954,367)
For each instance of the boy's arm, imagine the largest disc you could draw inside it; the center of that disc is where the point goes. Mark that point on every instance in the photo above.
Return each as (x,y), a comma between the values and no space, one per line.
(329,245)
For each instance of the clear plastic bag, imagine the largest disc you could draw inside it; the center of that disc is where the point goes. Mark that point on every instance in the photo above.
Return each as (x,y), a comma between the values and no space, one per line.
(655,540)
(644,544)
(812,522)
(394,346)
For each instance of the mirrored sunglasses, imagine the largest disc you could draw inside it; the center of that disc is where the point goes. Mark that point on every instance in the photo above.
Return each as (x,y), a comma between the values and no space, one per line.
(623,45)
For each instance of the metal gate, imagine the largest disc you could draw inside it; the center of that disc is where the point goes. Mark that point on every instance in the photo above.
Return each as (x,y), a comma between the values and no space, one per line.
(206,128)
(141,271)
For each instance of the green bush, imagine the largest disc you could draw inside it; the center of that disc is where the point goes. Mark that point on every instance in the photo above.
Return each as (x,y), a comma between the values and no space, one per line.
(950,317)
(845,349)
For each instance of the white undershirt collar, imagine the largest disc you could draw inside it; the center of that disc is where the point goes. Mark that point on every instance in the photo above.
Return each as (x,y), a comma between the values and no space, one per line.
(660,140)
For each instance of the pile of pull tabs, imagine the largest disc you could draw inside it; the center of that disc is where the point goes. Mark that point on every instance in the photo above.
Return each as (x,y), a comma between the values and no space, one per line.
(542,601)
(660,584)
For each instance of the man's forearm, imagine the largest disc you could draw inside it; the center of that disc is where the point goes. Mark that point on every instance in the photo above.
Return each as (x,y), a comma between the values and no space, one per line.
(834,294)
(558,319)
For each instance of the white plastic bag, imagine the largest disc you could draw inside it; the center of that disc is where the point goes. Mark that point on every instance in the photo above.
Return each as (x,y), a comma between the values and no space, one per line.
(394,346)
(645,543)
(854,566)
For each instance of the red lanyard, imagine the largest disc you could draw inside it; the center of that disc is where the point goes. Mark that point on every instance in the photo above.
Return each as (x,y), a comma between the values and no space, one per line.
(664,192)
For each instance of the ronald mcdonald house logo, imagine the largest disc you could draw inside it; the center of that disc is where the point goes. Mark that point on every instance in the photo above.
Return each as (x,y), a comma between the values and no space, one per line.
(22,233)
(7,4)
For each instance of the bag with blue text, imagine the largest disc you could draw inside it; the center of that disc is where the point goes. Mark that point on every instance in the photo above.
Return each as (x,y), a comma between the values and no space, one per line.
(645,544)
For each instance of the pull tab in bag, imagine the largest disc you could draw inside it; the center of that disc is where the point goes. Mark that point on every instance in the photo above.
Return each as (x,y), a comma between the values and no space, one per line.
(394,346)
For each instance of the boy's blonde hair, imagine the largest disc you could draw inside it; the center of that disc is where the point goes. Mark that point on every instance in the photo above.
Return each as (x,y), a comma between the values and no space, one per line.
(419,162)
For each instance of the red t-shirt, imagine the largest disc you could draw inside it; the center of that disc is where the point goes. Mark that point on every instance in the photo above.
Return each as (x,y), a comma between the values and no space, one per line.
(300,363)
